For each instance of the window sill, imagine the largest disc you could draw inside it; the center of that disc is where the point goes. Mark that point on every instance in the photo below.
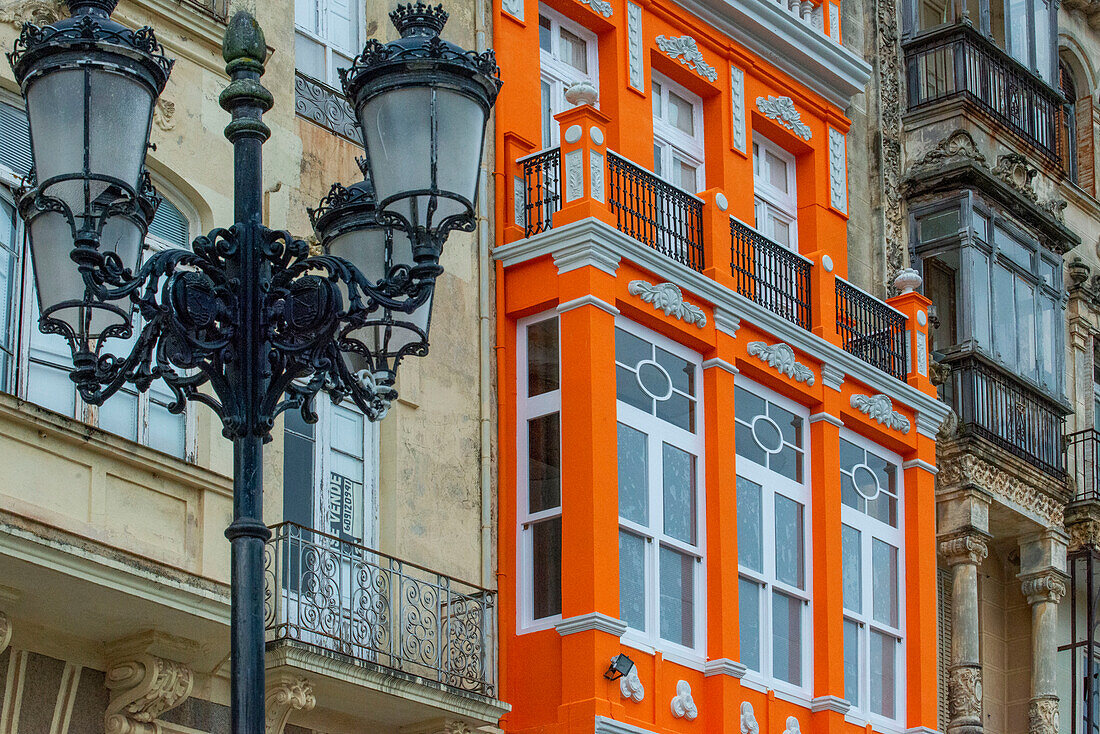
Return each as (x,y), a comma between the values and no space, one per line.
(541,625)
(877,723)
(688,659)
(783,691)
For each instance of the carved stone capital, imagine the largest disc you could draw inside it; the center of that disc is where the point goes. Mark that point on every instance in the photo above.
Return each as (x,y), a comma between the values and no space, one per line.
(39,12)
(5,632)
(142,688)
(1042,715)
(285,693)
(967,547)
(1046,586)
(965,699)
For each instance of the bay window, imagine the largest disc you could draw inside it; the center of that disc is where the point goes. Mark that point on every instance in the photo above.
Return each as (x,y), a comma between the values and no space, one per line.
(326,37)
(661,499)
(871,545)
(677,134)
(538,473)
(773,533)
(567,55)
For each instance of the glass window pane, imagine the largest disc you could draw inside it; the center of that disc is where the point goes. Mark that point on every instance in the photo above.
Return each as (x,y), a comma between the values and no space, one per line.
(119,415)
(788,541)
(848,493)
(883,674)
(747,405)
(681,113)
(297,474)
(688,178)
(747,448)
(632,593)
(852,565)
(51,388)
(633,475)
(547,115)
(850,455)
(542,357)
(748,603)
(629,349)
(629,391)
(677,597)
(678,410)
(167,432)
(309,57)
(544,462)
(939,224)
(780,230)
(777,171)
(884,573)
(1026,356)
(978,282)
(789,423)
(573,51)
(656,94)
(787,638)
(346,433)
(544,33)
(679,493)
(750,525)
(546,568)
(851,662)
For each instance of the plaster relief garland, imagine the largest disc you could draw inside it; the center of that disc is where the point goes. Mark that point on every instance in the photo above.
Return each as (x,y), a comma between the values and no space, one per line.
(669,298)
(782,110)
(687,51)
(880,409)
(683,705)
(780,357)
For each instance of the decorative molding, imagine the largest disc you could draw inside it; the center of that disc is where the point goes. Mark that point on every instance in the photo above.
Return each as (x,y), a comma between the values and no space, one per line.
(724,666)
(726,322)
(780,357)
(727,367)
(748,719)
(965,693)
(782,110)
(285,693)
(636,73)
(580,93)
(737,102)
(1027,491)
(832,376)
(438,725)
(141,690)
(1045,586)
(792,726)
(574,175)
(39,12)
(585,253)
(513,7)
(326,107)
(1014,170)
(595,171)
(830,703)
(600,6)
(593,621)
(957,146)
(5,632)
(588,300)
(668,297)
(967,547)
(920,464)
(920,340)
(684,49)
(630,686)
(838,171)
(1042,715)
(826,417)
(880,409)
(884,115)
(683,705)
(519,201)
(164,114)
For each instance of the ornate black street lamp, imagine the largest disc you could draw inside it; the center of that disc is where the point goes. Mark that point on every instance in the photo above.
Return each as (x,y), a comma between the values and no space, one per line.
(247,321)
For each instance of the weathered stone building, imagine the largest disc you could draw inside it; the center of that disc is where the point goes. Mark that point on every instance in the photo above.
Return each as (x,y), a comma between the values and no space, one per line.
(978,140)
(114,596)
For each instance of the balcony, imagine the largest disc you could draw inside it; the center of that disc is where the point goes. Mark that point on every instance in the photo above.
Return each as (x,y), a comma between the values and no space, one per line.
(872,330)
(958,62)
(396,628)
(771,275)
(1007,412)
(1083,464)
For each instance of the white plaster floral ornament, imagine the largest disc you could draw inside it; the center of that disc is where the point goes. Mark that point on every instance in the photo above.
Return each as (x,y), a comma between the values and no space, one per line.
(669,298)
(630,686)
(792,726)
(782,110)
(600,6)
(683,705)
(748,719)
(780,357)
(879,408)
(686,50)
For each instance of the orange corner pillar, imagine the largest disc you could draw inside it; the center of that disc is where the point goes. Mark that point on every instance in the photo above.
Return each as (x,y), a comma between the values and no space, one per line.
(583,165)
(915,307)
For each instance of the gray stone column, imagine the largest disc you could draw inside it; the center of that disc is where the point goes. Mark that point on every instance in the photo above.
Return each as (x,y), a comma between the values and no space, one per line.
(1043,581)
(964,551)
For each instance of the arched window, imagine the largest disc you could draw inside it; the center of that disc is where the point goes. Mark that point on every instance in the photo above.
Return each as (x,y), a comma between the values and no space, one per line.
(1069,121)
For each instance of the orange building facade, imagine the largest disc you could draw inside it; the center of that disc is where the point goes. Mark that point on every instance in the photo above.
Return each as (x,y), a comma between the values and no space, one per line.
(717,456)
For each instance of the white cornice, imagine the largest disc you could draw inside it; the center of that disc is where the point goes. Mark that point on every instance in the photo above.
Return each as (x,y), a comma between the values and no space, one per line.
(792,46)
(921,464)
(830,703)
(726,322)
(588,301)
(724,666)
(616,244)
(605,725)
(722,365)
(828,418)
(594,621)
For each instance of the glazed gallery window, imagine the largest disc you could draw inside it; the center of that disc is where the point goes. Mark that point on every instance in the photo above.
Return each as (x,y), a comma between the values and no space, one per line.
(871,542)
(327,36)
(661,498)
(538,446)
(677,134)
(35,366)
(567,55)
(775,200)
(773,533)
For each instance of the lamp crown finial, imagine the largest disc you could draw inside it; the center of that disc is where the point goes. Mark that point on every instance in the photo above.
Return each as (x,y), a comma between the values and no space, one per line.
(244,39)
(419,19)
(102,8)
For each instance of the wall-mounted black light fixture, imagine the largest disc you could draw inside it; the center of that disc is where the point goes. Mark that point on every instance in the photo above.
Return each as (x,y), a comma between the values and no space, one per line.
(620,665)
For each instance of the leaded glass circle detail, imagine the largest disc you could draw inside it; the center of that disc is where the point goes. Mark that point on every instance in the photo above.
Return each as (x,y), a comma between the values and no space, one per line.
(654,380)
(767,434)
(865,481)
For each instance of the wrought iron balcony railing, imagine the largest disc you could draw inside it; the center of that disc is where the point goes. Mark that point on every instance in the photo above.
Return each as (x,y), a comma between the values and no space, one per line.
(1004,410)
(872,330)
(770,274)
(1083,463)
(343,598)
(652,211)
(959,62)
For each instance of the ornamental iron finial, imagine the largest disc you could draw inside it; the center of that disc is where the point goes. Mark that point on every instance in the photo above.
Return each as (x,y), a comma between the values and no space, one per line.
(244,39)
(419,19)
(102,8)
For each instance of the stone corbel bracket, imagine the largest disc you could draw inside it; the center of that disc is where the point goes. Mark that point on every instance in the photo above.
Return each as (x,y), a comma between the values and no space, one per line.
(668,297)
(285,694)
(142,688)
(880,409)
(780,357)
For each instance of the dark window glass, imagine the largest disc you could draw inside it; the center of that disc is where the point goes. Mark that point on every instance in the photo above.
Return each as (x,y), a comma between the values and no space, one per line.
(544,467)
(546,562)
(542,357)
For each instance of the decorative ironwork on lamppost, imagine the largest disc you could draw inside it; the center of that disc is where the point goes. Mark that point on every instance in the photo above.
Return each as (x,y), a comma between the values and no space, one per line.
(246,321)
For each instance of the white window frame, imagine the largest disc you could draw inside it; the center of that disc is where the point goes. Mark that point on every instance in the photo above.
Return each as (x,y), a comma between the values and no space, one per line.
(661,432)
(528,408)
(769,200)
(322,36)
(673,143)
(560,75)
(871,529)
(772,484)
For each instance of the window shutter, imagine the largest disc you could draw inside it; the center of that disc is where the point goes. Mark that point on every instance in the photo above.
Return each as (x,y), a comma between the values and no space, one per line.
(170,225)
(944,612)
(1086,145)
(15,139)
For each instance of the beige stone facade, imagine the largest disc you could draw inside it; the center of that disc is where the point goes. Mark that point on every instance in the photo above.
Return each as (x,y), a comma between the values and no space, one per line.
(114,572)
